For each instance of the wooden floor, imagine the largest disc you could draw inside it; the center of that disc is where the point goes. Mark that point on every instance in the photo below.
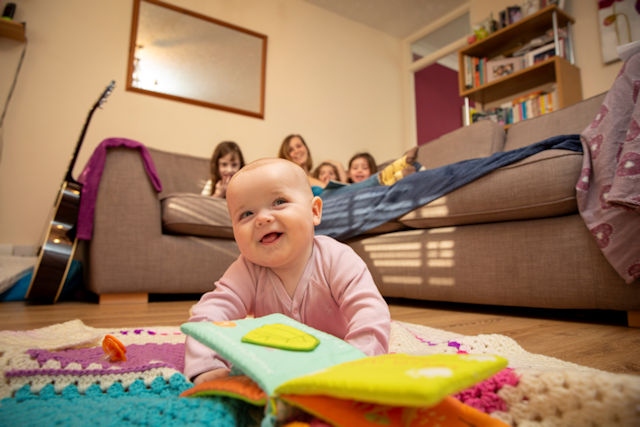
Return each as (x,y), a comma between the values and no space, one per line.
(596,339)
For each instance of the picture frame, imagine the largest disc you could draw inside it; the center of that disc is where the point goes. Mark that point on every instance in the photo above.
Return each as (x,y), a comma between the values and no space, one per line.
(514,14)
(618,24)
(559,3)
(540,54)
(499,68)
(184,56)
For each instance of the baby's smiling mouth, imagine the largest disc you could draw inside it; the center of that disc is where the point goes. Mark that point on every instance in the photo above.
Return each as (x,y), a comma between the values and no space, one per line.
(270,238)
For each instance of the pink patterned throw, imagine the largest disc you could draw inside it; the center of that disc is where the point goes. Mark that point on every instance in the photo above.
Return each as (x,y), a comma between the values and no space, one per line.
(608,191)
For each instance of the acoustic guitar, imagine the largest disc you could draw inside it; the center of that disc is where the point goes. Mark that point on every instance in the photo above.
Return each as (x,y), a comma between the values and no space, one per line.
(59,245)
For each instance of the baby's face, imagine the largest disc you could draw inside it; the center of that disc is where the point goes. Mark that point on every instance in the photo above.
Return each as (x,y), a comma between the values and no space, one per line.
(273,213)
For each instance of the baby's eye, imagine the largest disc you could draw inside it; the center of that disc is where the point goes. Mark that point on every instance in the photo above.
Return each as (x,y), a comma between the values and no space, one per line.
(245,214)
(279,201)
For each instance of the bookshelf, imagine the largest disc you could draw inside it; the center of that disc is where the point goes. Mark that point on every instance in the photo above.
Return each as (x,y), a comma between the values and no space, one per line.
(555,73)
(12,30)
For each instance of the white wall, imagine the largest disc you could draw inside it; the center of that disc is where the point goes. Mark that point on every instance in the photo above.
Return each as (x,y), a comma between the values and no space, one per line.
(336,82)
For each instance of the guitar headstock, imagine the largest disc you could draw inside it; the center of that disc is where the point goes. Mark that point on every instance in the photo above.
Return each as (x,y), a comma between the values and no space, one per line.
(105,94)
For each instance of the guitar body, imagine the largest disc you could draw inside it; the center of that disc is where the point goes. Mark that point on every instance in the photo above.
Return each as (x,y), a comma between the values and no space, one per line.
(58,248)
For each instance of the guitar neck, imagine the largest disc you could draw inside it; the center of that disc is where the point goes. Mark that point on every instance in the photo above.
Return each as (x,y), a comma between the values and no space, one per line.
(76,151)
(56,253)
(74,157)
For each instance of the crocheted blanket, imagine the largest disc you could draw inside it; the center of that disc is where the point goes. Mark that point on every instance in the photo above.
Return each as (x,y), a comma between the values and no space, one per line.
(59,375)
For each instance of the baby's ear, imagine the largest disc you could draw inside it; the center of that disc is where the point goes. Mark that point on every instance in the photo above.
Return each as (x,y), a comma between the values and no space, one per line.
(316,209)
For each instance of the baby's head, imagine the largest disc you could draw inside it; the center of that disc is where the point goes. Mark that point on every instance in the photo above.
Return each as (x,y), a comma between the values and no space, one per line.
(273,212)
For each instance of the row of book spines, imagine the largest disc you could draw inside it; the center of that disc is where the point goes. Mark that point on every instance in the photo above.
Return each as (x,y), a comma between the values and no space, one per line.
(532,105)
(522,108)
(474,71)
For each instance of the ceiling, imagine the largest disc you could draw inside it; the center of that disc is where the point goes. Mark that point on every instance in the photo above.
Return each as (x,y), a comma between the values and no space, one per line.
(399,18)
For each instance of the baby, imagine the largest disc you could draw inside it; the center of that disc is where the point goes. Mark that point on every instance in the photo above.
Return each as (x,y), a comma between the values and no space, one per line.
(284,268)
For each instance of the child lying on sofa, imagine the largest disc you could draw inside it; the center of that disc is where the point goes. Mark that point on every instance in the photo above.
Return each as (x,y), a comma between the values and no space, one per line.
(284,268)
(389,175)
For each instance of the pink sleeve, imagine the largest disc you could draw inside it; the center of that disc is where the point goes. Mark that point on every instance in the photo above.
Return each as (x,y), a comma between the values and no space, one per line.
(231,299)
(367,313)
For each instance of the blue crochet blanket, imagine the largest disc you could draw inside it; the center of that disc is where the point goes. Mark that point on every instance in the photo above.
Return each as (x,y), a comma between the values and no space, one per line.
(350,214)
(75,385)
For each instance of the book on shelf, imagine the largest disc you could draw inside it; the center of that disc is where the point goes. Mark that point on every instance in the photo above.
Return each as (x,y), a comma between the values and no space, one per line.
(468,72)
(545,52)
(475,71)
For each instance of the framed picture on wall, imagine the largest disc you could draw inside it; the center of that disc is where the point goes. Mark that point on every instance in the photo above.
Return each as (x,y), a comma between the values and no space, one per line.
(619,24)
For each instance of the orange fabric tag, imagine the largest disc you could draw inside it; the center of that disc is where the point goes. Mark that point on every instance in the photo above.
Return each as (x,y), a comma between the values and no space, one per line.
(114,349)
(237,386)
(349,413)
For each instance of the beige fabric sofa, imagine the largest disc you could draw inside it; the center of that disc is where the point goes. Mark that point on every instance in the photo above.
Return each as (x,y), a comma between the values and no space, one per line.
(513,237)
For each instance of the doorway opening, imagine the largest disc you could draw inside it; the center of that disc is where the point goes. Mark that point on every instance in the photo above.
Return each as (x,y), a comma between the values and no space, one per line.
(437,105)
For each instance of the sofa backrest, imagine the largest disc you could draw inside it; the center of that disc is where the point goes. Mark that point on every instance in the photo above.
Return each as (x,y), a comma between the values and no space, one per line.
(480,139)
(180,173)
(568,120)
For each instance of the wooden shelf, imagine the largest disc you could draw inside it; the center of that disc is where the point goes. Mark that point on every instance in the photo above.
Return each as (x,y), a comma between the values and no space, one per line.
(12,30)
(548,71)
(514,36)
(556,72)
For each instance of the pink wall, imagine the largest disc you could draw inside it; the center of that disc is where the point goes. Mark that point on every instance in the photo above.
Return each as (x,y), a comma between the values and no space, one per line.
(438,106)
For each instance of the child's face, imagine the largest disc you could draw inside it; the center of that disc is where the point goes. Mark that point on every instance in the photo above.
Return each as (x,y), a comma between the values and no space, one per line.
(326,174)
(228,165)
(359,170)
(273,213)
(297,151)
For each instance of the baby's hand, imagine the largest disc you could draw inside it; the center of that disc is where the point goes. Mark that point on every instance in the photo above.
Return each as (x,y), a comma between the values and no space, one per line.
(211,375)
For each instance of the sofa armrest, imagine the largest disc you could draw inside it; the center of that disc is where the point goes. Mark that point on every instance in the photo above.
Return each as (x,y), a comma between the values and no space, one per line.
(180,173)
(126,196)
(128,252)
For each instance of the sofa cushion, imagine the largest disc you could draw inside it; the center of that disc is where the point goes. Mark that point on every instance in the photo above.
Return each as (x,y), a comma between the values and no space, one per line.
(196,215)
(478,140)
(539,186)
